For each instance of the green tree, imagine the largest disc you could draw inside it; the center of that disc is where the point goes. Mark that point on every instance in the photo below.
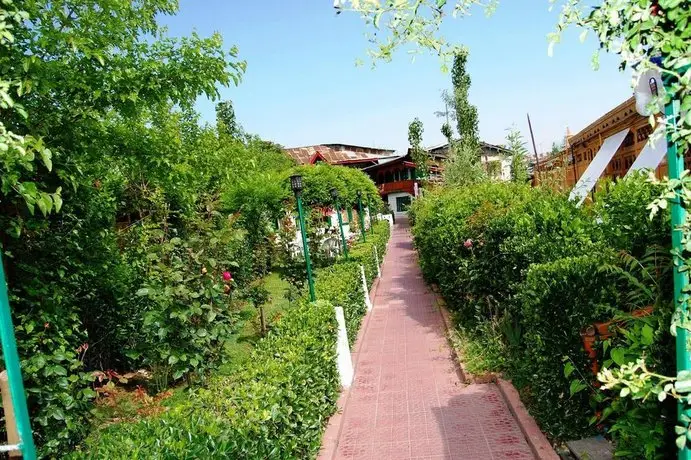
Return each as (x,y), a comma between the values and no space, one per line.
(466,113)
(110,94)
(519,153)
(463,166)
(226,121)
(420,157)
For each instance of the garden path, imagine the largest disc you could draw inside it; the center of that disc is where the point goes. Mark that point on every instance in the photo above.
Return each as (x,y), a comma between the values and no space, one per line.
(407,400)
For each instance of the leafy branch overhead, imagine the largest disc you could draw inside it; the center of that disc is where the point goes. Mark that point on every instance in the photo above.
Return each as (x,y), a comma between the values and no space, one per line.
(412,24)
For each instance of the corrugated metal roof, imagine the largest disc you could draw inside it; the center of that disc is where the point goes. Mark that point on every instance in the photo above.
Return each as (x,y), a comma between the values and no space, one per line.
(313,153)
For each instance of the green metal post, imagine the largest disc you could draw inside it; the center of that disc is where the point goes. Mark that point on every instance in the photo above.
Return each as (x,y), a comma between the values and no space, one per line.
(340,226)
(14,373)
(371,222)
(675,162)
(306,249)
(362,218)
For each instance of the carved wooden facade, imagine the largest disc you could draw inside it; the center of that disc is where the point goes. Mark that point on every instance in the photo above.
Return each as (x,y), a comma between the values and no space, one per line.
(569,165)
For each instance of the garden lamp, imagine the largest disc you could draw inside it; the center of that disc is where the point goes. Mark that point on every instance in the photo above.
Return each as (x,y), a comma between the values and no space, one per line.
(296,185)
(334,195)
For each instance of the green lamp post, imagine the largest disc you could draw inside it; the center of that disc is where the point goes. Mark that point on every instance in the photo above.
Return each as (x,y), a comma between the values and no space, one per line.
(14,374)
(296,185)
(334,195)
(362,218)
(675,164)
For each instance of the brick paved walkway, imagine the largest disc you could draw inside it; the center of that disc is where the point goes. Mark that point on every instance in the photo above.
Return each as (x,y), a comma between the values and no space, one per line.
(407,400)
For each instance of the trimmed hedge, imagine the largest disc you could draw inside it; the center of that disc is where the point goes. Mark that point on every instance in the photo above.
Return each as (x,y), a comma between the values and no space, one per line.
(527,266)
(276,408)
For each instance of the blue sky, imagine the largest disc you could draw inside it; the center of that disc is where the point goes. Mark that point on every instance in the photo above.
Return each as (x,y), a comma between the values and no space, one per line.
(302,86)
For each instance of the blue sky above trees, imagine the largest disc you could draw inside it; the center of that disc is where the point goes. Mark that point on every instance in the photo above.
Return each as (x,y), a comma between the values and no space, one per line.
(302,86)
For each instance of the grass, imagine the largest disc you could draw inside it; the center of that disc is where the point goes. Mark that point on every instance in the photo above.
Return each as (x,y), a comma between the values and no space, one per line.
(482,350)
(122,404)
(241,345)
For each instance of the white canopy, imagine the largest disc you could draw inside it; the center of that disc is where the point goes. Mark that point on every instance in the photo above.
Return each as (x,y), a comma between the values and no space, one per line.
(597,166)
(653,152)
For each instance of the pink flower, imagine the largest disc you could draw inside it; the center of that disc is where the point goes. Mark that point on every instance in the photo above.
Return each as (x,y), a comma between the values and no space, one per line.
(227,276)
(468,243)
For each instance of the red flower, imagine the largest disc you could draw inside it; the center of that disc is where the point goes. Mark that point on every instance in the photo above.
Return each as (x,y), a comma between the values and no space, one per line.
(227,276)
(468,243)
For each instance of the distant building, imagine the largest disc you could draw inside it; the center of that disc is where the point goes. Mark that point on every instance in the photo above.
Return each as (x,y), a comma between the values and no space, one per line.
(495,159)
(396,175)
(567,166)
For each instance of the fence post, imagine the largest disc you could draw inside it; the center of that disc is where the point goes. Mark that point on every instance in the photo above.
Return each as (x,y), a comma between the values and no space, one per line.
(376,258)
(343,358)
(368,303)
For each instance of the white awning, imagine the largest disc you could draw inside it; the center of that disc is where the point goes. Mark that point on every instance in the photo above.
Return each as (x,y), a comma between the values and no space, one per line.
(597,166)
(653,152)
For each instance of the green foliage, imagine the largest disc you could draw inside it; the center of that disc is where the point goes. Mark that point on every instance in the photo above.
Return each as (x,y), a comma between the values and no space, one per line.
(226,122)
(506,257)
(463,166)
(183,307)
(552,329)
(519,153)
(420,157)
(318,180)
(363,253)
(466,113)
(277,407)
(338,285)
(411,22)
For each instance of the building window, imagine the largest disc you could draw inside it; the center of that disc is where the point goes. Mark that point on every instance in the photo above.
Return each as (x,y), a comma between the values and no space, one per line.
(402,203)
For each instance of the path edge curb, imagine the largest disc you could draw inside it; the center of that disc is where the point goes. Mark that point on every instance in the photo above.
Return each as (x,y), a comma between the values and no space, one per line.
(536,439)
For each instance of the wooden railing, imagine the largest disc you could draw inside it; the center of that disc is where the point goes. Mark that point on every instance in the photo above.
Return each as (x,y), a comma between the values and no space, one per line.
(398,186)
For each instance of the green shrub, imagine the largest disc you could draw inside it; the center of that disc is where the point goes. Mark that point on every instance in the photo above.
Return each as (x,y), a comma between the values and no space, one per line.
(341,285)
(558,300)
(275,408)
(526,271)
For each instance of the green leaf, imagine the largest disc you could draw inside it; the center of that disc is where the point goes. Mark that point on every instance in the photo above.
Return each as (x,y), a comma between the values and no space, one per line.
(47,156)
(576,387)
(618,355)
(681,441)
(647,335)
(568,369)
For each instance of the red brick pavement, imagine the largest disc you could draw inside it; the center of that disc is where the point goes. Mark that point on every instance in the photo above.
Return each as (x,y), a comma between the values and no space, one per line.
(407,401)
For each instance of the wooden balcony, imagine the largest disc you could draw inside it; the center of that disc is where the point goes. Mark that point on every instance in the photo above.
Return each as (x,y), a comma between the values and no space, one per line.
(407,186)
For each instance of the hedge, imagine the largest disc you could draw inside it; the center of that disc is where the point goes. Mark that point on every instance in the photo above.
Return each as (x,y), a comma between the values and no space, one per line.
(274,409)
(528,267)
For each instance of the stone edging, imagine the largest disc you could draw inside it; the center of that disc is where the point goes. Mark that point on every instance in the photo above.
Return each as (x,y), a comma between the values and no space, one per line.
(536,439)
